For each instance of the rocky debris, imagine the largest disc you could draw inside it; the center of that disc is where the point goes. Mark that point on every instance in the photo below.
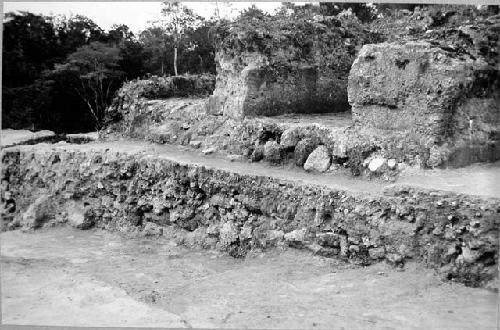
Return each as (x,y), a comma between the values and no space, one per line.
(273,152)
(38,213)
(319,160)
(289,138)
(302,151)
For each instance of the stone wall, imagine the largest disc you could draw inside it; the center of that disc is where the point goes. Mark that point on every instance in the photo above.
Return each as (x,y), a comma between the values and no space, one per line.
(130,191)
(276,66)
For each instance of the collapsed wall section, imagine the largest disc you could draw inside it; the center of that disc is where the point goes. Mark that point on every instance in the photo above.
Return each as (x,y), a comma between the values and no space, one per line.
(273,66)
(134,191)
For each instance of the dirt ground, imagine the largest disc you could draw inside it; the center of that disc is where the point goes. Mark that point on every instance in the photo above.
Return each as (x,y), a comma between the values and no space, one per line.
(64,276)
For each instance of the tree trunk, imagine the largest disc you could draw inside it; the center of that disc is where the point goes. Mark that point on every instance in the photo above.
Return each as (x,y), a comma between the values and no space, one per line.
(201,63)
(175,61)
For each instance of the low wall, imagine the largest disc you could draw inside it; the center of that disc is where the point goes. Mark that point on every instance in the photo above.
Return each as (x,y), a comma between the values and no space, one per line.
(455,234)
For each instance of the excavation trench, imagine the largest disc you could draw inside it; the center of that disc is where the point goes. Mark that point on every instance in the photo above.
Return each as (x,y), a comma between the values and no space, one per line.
(206,201)
(65,276)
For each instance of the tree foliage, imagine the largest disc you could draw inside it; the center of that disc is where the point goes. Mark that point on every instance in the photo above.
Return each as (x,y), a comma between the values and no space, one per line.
(54,66)
(92,73)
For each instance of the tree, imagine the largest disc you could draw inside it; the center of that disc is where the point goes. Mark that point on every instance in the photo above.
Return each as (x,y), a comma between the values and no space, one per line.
(252,12)
(92,73)
(29,47)
(76,31)
(177,19)
(133,58)
(119,34)
(156,45)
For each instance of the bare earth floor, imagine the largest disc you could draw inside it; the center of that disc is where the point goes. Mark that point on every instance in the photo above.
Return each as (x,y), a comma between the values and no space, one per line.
(64,276)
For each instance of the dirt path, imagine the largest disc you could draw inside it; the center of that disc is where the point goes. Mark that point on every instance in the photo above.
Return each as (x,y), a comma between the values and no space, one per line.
(63,276)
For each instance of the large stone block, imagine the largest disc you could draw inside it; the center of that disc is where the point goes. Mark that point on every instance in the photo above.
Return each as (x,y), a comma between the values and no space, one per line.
(411,86)
(439,97)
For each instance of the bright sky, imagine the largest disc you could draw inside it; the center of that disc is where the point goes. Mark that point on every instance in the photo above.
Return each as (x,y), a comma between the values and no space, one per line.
(134,14)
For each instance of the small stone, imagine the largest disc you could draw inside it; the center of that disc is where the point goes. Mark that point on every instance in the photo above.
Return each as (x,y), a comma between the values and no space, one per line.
(209,151)
(376,164)
(391,163)
(195,144)
(99,185)
(234,158)
(185,126)
(152,229)
(77,217)
(228,233)
(298,235)
(353,248)
(289,138)
(274,235)
(334,167)
(319,160)
(469,256)
(314,247)
(257,154)
(377,253)
(395,258)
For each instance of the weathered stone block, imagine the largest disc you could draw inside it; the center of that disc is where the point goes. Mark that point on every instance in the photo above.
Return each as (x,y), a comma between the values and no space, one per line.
(275,73)
(430,95)
(409,87)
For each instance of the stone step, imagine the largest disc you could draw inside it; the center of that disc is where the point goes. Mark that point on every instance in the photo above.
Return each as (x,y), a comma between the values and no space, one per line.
(433,217)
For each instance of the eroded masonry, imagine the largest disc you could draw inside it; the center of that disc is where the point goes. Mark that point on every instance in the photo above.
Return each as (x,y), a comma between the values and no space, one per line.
(297,142)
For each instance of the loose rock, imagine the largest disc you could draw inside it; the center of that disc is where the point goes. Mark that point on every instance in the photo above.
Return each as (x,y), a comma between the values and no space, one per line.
(376,164)
(272,152)
(195,144)
(209,151)
(289,138)
(76,216)
(38,213)
(319,160)
(302,150)
(152,229)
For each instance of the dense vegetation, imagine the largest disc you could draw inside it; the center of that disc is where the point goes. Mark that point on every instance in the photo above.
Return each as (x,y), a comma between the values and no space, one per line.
(61,73)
